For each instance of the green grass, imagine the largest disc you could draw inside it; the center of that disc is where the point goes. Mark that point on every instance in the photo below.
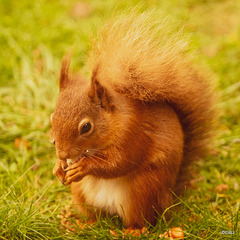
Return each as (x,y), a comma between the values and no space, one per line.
(34,35)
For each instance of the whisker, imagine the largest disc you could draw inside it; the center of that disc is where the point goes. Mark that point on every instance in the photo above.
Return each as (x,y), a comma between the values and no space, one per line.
(96,161)
(101,154)
(90,150)
(97,154)
(94,157)
(93,169)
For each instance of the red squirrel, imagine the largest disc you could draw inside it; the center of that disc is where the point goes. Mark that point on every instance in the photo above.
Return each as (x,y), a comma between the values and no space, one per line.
(125,137)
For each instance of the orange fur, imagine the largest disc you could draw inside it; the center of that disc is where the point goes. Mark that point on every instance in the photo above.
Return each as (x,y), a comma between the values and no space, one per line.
(151,114)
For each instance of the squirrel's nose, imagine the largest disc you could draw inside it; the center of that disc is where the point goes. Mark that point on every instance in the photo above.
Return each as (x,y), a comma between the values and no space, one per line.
(62,155)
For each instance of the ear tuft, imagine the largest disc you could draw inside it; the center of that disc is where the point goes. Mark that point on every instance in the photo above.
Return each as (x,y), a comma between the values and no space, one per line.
(64,73)
(98,93)
(94,83)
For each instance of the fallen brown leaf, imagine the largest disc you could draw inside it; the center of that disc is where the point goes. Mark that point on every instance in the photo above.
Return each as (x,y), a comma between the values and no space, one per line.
(113,233)
(222,188)
(176,232)
(165,235)
(19,142)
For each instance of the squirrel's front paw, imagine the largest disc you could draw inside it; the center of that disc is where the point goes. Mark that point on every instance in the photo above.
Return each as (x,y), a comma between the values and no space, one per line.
(58,170)
(76,172)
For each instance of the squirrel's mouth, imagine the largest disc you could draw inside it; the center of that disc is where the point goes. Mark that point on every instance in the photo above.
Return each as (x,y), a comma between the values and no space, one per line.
(71,161)
(86,154)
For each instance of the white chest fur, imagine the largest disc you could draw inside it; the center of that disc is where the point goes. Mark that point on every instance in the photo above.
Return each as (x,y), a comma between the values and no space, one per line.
(107,194)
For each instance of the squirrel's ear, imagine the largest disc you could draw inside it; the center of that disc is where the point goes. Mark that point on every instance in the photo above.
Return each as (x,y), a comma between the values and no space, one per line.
(64,74)
(98,93)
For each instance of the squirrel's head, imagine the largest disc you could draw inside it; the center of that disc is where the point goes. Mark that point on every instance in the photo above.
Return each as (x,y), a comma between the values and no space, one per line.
(84,116)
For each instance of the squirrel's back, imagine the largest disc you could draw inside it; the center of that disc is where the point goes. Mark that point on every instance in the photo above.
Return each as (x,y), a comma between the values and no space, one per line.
(142,56)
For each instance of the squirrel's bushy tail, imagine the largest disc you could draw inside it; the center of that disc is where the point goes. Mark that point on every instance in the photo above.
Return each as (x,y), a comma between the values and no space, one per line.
(144,57)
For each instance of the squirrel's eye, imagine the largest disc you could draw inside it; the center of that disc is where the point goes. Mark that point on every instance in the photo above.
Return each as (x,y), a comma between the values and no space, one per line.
(86,128)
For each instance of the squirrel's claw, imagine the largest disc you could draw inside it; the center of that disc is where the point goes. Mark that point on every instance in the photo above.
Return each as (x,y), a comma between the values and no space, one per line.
(59,172)
(63,181)
(75,172)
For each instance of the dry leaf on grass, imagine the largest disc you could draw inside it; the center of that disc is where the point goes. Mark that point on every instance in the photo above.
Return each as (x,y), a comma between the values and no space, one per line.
(164,235)
(174,233)
(222,188)
(19,142)
(113,233)
(135,232)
